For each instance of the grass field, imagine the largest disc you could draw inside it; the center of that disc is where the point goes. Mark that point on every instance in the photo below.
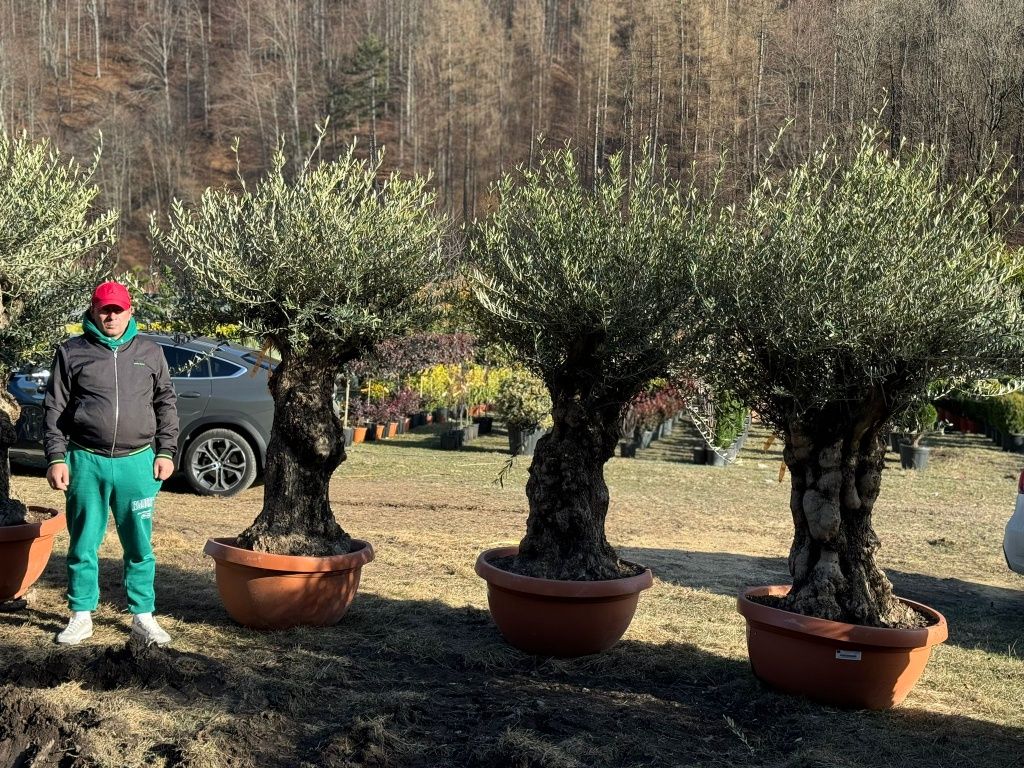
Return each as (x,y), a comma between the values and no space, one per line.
(417,675)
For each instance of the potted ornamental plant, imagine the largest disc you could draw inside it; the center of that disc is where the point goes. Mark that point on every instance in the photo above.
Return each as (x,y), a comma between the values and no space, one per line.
(53,252)
(319,265)
(917,422)
(523,403)
(807,323)
(628,424)
(730,424)
(586,288)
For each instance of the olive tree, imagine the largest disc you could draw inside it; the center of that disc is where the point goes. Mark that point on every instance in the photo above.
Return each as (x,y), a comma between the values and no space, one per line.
(839,293)
(53,250)
(586,288)
(319,269)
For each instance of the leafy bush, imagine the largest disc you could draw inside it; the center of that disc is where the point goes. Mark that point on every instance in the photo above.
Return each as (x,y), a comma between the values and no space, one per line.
(730,419)
(1006,413)
(522,400)
(438,386)
(405,355)
(918,420)
(1015,413)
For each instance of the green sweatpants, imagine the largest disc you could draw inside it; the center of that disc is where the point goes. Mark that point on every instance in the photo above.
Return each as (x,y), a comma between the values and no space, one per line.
(125,486)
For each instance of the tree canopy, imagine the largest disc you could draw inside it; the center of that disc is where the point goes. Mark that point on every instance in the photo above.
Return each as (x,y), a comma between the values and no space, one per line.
(862,273)
(53,247)
(587,287)
(321,266)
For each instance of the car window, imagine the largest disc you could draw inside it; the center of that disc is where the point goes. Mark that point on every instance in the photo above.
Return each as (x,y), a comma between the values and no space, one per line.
(224,369)
(182,363)
(264,363)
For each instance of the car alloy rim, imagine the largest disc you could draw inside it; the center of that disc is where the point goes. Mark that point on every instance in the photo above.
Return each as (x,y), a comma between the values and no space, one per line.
(218,464)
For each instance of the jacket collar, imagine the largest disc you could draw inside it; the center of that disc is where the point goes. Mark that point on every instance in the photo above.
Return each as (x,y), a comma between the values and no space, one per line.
(97,336)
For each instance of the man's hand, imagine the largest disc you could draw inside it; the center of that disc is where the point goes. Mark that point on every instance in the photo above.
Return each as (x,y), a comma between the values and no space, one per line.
(163,468)
(57,476)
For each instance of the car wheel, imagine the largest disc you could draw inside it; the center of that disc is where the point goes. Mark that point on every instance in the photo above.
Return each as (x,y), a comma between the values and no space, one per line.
(219,462)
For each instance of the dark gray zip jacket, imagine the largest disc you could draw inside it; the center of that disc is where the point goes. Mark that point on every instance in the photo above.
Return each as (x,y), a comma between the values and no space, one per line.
(113,402)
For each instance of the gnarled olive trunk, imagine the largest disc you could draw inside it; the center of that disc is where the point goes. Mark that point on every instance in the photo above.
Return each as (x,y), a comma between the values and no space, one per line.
(836,468)
(306,446)
(12,512)
(569,498)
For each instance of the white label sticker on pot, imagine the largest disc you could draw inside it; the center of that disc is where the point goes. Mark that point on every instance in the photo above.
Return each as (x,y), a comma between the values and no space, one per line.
(848,655)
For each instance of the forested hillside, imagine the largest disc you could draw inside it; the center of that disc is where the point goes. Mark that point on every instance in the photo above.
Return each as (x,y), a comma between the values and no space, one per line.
(464,88)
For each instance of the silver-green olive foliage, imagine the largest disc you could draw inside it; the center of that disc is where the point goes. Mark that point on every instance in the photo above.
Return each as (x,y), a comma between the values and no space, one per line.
(588,287)
(53,248)
(859,277)
(319,267)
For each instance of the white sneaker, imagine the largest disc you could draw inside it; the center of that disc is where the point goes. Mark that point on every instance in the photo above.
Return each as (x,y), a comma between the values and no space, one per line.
(145,627)
(79,628)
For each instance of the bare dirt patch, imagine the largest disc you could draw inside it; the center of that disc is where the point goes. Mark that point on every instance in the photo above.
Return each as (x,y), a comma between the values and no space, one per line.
(31,734)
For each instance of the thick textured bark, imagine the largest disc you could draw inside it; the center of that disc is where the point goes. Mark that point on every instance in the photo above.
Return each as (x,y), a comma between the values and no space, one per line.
(569,498)
(306,446)
(835,462)
(12,512)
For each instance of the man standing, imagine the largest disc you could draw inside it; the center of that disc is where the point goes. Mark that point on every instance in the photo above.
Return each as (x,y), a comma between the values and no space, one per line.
(109,400)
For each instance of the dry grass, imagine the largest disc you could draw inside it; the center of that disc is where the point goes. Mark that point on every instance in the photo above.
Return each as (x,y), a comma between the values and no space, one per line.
(416,674)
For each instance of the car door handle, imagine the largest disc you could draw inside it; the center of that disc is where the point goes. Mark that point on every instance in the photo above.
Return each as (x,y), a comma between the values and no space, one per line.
(190,394)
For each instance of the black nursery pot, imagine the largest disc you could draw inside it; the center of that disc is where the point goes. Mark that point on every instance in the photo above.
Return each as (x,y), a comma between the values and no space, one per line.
(452,440)
(715,459)
(914,456)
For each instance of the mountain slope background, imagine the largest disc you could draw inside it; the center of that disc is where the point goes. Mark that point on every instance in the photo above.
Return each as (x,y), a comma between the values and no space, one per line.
(465,89)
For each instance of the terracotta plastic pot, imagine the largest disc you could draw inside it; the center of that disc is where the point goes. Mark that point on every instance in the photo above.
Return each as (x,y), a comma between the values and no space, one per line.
(266,591)
(378,431)
(25,551)
(559,618)
(846,665)
(358,434)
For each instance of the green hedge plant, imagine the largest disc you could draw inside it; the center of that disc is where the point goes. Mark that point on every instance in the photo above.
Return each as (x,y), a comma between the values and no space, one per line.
(522,400)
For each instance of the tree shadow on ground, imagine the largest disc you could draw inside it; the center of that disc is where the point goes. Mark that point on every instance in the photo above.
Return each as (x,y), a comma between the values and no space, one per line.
(434,444)
(979,615)
(431,441)
(422,683)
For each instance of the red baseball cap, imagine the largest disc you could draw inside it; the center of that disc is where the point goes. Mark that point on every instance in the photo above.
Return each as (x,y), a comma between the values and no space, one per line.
(111,294)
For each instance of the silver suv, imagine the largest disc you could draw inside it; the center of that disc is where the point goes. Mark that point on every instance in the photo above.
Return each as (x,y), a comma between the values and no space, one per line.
(224,408)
